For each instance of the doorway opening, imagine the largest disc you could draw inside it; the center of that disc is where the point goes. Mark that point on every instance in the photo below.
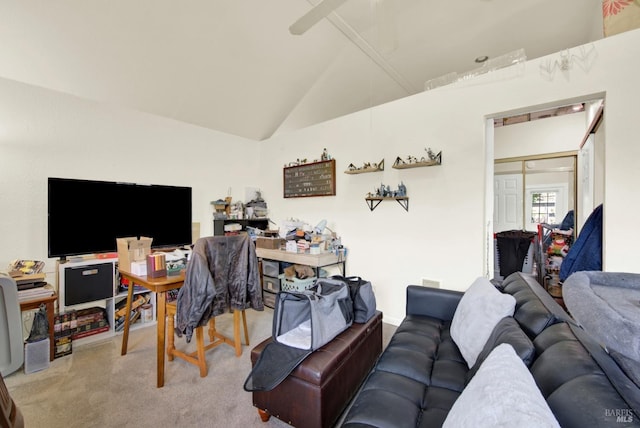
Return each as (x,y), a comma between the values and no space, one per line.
(529,193)
(536,169)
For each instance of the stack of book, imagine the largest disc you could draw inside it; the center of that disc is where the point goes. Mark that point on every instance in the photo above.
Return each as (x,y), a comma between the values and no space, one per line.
(81,323)
(76,324)
(35,293)
(62,333)
(32,285)
(89,321)
(121,310)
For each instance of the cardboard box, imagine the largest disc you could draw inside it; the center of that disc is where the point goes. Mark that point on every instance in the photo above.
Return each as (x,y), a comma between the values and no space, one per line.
(132,250)
(139,268)
(268,243)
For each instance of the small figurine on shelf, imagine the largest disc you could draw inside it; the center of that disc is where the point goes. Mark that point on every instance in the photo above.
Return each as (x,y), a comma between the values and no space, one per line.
(379,166)
(297,162)
(352,167)
(384,191)
(399,161)
(325,155)
(402,190)
(432,156)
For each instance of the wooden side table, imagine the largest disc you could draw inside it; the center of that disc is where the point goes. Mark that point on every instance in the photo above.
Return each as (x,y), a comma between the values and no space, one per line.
(27,305)
(160,286)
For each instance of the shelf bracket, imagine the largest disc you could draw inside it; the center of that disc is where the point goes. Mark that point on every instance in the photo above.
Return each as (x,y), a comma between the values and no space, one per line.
(404,203)
(373,203)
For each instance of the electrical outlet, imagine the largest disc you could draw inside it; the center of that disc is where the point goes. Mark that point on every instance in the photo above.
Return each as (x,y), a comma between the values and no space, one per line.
(433,283)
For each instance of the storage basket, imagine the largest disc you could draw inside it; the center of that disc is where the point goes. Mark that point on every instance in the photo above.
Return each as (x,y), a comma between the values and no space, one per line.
(295,284)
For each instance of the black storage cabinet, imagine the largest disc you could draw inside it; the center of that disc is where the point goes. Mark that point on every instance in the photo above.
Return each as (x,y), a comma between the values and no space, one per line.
(88,283)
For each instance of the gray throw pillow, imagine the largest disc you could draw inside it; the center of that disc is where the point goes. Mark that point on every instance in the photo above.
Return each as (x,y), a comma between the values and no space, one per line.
(503,393)
(480,309)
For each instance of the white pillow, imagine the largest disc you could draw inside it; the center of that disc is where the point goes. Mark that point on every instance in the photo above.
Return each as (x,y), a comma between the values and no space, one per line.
(501,394)
(481,308)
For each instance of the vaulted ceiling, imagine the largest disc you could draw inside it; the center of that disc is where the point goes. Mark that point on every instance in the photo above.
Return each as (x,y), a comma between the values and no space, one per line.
(233,65)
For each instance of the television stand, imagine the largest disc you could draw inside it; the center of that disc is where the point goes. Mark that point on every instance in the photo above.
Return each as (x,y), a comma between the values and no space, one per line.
(96,282)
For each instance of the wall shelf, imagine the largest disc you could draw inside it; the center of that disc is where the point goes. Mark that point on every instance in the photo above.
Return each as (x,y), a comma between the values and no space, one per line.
(375,168)
(401,164)
(374,201)
(258,223)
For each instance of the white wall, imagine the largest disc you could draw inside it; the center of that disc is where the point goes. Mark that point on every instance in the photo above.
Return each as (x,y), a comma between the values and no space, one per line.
(443,235)
(550,135)
(49,134)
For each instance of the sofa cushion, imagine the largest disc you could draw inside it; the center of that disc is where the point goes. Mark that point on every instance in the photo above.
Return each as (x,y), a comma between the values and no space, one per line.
(417,378)
(535,308)
(480,309)
(502,393)
(552,335)
(419,345)
(507,331)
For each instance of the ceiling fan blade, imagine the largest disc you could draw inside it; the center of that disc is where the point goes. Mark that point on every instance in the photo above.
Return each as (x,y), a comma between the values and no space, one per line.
(309,19)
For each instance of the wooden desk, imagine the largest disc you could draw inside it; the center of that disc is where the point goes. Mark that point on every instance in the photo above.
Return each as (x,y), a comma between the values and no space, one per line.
(160,286)
(314,260)
(27,305)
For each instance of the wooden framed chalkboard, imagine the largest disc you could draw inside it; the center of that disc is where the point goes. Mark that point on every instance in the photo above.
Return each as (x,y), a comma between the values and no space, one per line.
(310,179)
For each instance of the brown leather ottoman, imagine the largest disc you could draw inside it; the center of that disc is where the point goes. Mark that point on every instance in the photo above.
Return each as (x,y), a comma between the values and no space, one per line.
(319,389)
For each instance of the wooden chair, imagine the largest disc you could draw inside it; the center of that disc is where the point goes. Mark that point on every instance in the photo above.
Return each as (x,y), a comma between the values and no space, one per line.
(197,358)
(10,415)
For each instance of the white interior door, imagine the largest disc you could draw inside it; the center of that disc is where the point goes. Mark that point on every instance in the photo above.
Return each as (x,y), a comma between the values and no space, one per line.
(586,188)
(507,202)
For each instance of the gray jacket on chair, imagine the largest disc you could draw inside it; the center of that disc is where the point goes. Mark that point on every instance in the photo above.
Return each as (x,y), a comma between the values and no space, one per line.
(221,275)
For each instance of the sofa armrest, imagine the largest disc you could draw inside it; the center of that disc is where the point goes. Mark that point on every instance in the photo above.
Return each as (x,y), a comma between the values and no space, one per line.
(432,302)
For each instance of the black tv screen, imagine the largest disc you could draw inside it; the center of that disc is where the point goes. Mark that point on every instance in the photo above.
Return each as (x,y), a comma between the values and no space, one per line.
(86,217)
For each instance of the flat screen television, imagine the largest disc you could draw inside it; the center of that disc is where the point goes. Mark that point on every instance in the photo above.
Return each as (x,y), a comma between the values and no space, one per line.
(86,217)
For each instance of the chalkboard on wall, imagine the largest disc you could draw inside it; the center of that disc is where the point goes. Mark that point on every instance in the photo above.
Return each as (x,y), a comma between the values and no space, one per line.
(310,179)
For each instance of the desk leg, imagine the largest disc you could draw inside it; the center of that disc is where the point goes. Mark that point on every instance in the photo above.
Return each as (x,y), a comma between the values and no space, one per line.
(51,320)
(162,300)
(125,334)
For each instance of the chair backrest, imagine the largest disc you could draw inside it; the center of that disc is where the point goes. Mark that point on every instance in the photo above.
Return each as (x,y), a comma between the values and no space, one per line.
(11,340)
(221,276)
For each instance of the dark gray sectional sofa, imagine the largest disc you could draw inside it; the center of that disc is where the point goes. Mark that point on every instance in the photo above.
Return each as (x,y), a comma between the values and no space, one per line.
(421,373)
